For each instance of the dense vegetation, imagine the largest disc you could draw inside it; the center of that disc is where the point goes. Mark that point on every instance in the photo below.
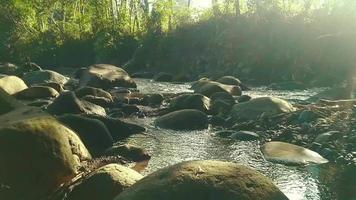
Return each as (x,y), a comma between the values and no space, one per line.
(309,41)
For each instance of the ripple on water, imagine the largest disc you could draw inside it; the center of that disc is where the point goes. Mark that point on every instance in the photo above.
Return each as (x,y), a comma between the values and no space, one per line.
(169,147)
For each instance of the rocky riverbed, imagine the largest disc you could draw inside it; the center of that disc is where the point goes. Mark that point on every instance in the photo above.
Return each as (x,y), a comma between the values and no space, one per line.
(98,126)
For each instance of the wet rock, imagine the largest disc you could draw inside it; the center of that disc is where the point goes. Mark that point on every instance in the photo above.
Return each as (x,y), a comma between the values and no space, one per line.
(245,135)
(163,77)
(307,116)
(290,154)
(188,119)
(106,77)
(119,129)
(190,101)
(154,99)
(129,152)
(58,87)
(223,96)
(101,101)
(207,88)
(12,84)
(267,106)
(67,102)
(229,80)
(97,92)
(105,183)
(220,107)
(39,103)
(335,93)
(37,92)
(38,154)
(201,180)
(129,109)
(326,137)
(216,120)
(94,134)
(44,76)
(244,98)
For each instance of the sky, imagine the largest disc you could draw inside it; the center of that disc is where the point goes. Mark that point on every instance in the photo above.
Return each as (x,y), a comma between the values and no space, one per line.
(201,3)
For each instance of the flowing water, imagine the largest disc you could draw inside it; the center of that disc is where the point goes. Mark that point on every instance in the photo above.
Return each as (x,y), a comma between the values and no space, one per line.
(168,147)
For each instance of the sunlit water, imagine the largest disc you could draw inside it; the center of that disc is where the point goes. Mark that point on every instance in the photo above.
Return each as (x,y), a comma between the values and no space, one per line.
(169,147)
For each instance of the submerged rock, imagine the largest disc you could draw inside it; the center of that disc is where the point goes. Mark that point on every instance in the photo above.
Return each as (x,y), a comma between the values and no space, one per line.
(106,76)
(12,84)
(188,119)
(267,106)
(202,180)
(38,154)
(105,183)
(291,154)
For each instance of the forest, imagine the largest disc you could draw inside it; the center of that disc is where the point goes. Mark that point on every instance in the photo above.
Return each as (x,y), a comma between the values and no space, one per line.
(307,41)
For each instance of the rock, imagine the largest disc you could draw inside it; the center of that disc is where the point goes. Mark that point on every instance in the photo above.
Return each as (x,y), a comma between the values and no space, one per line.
(245,135)
(244,98)
(188,119)
(224,96)
(10,69)
(307,116)
(129,152)
(229,80)
(37,92)
(163,77)
(44,76)
(217,120)
(40,103)
(119,129)
(105,183)
(12,84)
(106,77)
(154,99)
(97,92)
(202,180)
(58,87)
(94,134)
(101,101)
(267,106)
(38,154)
(67,102)
(7,102)
(190,101)
(335,93)
(327,137)
(207,88)
(129,109)
(224,133)
(291,154)
(220,107)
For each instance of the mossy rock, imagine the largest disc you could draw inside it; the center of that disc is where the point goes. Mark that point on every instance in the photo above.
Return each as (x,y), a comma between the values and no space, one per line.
(187,119)
(105,183)
(12,84)
(38,154)
(204,180)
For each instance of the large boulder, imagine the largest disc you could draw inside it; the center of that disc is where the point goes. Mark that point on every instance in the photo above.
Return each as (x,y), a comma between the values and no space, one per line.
(37,92)
(229,80)
(12,84)
(202,180)
(187,119)
(290,154)
(207,87)
(266,106)
(38,154)
(106,76)
(119,129)
(105,183)
(92,132)
(67,102)
(44,76)
(190,101)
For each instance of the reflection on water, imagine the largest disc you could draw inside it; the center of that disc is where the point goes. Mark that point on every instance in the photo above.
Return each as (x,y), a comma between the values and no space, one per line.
(169,147)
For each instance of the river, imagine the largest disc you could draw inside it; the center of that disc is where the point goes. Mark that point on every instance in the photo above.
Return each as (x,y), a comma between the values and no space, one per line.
(168,147)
